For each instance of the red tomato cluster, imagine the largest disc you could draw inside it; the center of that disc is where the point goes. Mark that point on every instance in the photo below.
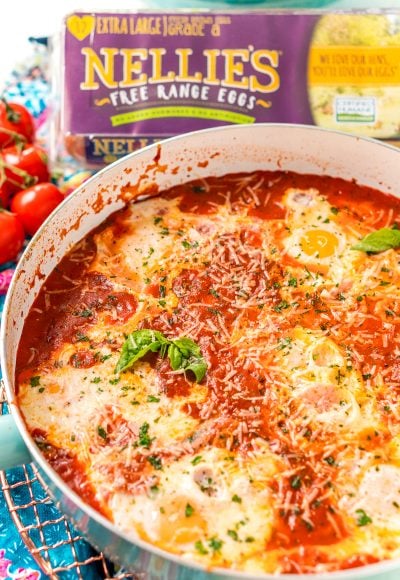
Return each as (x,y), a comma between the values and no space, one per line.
(26,195)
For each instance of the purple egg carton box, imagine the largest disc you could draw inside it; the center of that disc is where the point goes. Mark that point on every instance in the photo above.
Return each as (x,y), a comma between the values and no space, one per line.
(130,79)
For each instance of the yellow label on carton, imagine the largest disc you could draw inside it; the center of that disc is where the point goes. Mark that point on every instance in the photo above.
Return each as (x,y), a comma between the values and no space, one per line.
(355,65)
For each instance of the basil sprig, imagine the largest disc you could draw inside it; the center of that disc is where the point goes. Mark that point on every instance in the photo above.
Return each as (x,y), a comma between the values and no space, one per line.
(379,241)
(183,353)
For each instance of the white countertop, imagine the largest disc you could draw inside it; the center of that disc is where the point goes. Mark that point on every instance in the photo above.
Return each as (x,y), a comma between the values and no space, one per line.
(21,19)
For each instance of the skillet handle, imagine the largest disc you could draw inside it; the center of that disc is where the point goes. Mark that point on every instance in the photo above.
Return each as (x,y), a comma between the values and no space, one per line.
(13,450)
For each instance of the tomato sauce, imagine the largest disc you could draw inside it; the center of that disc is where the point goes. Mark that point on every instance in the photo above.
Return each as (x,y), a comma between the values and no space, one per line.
(321,531)
(172,385)
(68,305)
(203,195)
(70,469)
(83,359)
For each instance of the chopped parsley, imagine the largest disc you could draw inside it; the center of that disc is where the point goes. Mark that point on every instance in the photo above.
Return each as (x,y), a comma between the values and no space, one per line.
(283,343)
(282,305)
(200,547)
(34,381)
(157,220)
(101,432)
(207,486)
(236,498)
(330,460)
(362,518)
(144,438)
(196,460)
(215,544)
(295,482)
(87,313)
(334,210)
(189,510)
(292,282)
(155,461)
(153,399)
(233,534)
(187,245)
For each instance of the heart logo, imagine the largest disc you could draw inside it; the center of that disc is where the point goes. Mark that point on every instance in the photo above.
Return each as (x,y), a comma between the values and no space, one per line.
(81,26)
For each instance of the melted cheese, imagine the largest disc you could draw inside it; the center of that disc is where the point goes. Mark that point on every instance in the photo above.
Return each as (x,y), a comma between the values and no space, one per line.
(285,458)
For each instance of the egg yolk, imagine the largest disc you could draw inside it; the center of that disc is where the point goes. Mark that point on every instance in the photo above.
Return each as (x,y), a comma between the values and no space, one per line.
(319,242)
(178,526)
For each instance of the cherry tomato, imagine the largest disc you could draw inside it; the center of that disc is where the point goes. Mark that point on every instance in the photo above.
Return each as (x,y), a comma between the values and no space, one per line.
(5,194)
(11,236)
(33,205)
(16,124)
(24,167)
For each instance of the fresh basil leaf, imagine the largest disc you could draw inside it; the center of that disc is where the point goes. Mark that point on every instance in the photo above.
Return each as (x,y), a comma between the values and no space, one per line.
(379,241)
(137,345)
(187,347)
(183,353)
(198,367)
(164,348)
(175,357)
